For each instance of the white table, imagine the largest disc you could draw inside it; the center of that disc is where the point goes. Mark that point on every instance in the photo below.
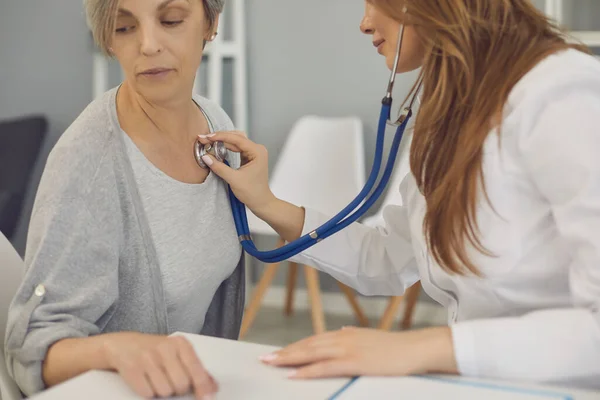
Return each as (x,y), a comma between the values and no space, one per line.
(456,388)
(240,375)
(233,364)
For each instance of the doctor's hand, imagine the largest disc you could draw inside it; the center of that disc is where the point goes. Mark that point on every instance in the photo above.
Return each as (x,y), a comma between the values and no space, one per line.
(358,352)
(250,183)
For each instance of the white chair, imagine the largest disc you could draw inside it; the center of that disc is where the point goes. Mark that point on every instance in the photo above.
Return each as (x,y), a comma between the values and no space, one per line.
(392,196)
(321,166)
(11,270)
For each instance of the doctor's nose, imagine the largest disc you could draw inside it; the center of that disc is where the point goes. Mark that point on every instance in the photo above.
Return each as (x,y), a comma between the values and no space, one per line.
(366,26)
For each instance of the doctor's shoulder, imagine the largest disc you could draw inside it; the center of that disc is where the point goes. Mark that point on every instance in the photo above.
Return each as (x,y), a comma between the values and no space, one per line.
(568,74)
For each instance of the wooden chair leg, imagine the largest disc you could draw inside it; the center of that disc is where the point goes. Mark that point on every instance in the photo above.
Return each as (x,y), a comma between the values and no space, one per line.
(358,312)
(387,320)
(257,296)
(314,294)
(291,286)
(412,295)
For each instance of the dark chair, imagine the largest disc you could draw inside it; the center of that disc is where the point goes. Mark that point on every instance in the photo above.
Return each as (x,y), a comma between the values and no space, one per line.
(20,142)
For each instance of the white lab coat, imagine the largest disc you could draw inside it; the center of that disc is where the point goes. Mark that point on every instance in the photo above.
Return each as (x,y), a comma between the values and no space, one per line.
(535,315)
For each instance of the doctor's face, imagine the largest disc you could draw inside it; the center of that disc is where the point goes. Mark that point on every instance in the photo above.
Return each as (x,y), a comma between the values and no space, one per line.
(385,31)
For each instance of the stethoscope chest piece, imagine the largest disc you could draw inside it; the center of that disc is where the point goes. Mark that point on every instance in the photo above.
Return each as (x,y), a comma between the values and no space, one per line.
(216,149)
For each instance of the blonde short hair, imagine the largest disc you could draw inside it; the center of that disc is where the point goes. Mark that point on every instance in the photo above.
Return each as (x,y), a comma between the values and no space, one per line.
(102,15)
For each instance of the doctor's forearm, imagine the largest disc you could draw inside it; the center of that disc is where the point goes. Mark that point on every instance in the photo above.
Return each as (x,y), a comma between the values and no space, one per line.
(285,218)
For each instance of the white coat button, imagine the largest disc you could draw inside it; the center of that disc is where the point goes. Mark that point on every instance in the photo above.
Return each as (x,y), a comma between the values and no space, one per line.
(40,290)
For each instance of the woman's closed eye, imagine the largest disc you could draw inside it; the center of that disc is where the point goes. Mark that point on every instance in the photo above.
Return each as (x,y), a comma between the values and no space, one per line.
(172,23)
(169,23)
(173,17)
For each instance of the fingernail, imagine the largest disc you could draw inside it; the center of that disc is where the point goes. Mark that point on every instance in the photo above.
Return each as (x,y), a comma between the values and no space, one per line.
(211,135)
(207,160)
(268,357)
(293,373)
(202,136)
(208,397)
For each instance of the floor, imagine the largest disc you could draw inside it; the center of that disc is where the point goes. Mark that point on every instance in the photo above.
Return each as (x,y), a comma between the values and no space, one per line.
(272,327)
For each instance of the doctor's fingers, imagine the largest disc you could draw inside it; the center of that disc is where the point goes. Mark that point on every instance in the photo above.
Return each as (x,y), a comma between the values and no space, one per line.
(308,356)
(334,368)
(236,140)
(206,139)
(310,350)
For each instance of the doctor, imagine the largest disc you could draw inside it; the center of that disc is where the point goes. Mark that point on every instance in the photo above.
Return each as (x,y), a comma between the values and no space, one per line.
(501,222)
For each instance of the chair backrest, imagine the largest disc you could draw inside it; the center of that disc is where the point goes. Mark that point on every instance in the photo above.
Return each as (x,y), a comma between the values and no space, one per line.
(322,164)
(12,269)
(20,143)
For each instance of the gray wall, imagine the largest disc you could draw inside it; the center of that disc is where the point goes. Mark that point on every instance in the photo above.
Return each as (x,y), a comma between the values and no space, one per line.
(314,62)
(45,67)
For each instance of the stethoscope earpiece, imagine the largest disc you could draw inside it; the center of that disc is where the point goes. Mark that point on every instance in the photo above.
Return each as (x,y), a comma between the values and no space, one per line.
(216,149)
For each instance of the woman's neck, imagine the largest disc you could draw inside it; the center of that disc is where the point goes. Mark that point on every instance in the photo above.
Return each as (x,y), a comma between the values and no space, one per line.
(176,121)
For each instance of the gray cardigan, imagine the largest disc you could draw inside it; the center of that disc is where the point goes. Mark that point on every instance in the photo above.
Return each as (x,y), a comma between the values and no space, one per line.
(91,264)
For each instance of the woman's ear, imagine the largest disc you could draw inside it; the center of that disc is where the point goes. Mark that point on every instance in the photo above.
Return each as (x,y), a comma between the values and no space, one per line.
(212,36)
(215,27)
(214,31)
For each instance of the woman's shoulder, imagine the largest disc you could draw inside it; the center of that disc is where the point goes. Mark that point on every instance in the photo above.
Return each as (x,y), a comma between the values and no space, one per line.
(83,151)
(94,126)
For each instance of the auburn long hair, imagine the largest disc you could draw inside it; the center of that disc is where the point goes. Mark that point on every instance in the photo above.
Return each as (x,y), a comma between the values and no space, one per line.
(475,53)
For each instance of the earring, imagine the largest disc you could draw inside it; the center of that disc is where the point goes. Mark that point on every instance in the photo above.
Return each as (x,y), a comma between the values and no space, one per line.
(213,37)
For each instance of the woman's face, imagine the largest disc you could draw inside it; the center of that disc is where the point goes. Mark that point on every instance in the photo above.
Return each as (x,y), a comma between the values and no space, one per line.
(385,31)
(159,45)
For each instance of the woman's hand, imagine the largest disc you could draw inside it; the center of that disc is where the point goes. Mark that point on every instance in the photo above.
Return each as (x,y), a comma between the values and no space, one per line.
(356,352)
(158,366)
(250,183)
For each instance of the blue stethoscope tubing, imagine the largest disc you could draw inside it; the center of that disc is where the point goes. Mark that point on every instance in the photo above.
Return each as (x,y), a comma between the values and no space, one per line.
(338,222)
(346,216)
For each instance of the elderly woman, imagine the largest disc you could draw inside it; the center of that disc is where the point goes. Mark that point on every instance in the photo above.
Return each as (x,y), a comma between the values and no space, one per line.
(130,239)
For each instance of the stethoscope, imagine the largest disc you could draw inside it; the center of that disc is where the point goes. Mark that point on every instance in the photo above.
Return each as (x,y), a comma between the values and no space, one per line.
(344,217)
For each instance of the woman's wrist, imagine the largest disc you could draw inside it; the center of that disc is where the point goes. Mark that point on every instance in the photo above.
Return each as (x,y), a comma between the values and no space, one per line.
(106,351)
(111,344)
(70,357)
